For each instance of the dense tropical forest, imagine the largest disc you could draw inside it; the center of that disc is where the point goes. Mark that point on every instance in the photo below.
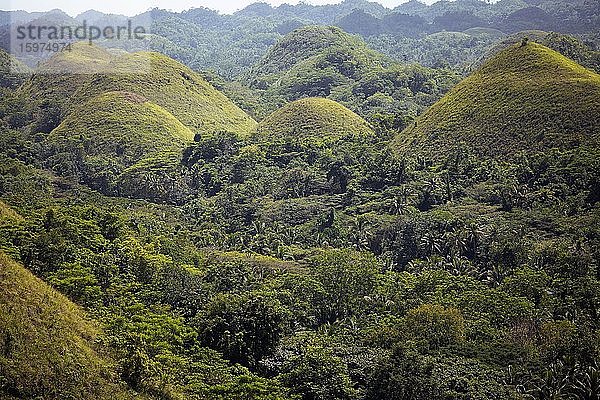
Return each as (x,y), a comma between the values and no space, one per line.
(341,202)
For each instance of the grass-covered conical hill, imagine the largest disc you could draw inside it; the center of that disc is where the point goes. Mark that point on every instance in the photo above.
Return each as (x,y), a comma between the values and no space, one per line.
(172,85)
(327,49)
(111,132)
(314,120)
(91,71)
(567,45)
(57,79)
(48,346)
(321,61)
(304,43)
(526,97)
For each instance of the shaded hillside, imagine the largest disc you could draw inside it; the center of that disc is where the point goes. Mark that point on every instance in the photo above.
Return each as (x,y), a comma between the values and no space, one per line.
(12,72)
(49,347)
(528,19)
(456,50)
(527,97)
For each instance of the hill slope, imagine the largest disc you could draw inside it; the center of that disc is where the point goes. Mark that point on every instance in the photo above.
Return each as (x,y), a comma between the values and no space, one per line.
(307,42)
(11,70)
(313,119)
(111,132)
(318,61)
(525,98)
(48,345)
(160,79)
(568,46)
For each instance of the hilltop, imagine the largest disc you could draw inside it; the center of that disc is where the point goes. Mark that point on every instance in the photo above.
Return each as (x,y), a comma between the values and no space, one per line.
(110,133)
(524,98)
(306,42)
(313,119)
(317,61)
(184,93)
(49,346)
(567,45)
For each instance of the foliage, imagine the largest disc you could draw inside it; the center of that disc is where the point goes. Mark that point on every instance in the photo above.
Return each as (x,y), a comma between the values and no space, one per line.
(305,258)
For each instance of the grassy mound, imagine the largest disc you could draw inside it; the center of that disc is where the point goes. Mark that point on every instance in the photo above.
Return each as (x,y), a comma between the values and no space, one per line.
(567,45)
(525,98)
(121,124)
(48,348)
(178,89)
(313,119)
(91,71)
(112,132)
(81,59)
(320,48)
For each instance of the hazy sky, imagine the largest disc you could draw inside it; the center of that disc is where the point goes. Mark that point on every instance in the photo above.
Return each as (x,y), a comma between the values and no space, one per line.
(132,7)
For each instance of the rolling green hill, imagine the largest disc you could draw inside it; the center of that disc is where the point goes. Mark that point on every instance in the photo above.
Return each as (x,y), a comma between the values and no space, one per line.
(110,133)
(306,42)
(318,61)
(313,119)
(184,93)
(527,97)
(48,346)
(567,45)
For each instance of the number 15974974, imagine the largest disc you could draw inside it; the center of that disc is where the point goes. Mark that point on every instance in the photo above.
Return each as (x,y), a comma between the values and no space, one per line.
(41,47)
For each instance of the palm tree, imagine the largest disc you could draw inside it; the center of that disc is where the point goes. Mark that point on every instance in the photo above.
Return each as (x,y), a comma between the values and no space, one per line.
(475,236)
(460,266)
(554,384)
(431,244)
(586,385)
(456,242)
(361,233)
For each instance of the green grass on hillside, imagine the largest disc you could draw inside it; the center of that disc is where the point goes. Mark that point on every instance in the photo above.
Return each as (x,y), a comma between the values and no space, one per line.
(525,98)
(304,43)
(160,79)
(47,347)
(314,119)
(110,133)
(338,54)
(120,125)
(178,89)
(8,216)
(319,61)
